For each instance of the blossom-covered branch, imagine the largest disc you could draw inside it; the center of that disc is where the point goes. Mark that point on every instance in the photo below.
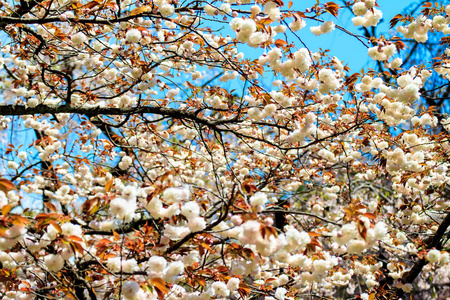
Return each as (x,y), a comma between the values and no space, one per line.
(165,149)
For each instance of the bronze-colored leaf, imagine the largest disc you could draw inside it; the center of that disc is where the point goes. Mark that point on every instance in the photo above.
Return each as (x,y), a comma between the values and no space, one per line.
(444,40)
(116,236)
(56,225)
(397,18)
(362,229)
(75,238)
(222,269)
(50,206)
(281,43)
(6,209)
(77,247)
(249,187)
(6,185)
(370,216)
(399,45)
(109,185)
(91,5)
(140,10)
(160,285)
(332,8)
(266,21)
(311,233)
(19,220)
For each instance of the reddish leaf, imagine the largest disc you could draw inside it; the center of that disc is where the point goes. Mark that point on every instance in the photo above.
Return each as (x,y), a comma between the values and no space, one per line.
(109,185)
(160,284)
(370,216)
(249,187)
(243,290)
(311,233)
(395,20)
(350,81)
(116,236)
(315,242)
(75,238)
(140,10)
(266,21)
(91,5)
(243,293)
(6,185)
(19,220)
(50,206)
(103,243)
(160,294)
(249,253)
(6,209)
(445,40)
(56,225)
(222,269)
(332,8)
(267,231)
(399,45)
(77,247)
(362,229)
(280,43)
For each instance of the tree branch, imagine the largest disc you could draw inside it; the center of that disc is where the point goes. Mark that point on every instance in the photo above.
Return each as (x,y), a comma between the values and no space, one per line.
(433,242)
(20,110)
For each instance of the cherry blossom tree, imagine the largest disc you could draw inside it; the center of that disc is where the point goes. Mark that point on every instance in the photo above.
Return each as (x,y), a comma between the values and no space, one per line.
(435,90)
(174,149)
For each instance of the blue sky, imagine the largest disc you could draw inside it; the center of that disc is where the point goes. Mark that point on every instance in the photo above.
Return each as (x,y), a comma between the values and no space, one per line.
(346,47)
(342,45)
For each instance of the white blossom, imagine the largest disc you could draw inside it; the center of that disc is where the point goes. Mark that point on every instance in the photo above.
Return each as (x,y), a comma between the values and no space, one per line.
(133,35)
(433,255)
(79,38)
(54,262)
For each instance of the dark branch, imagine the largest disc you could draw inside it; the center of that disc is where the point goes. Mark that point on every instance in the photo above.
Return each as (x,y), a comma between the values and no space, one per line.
(20,110)
(433,242)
